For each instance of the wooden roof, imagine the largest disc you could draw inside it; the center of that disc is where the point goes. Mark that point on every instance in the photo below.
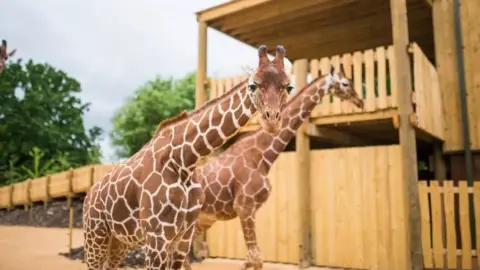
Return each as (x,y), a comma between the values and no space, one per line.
(318,28)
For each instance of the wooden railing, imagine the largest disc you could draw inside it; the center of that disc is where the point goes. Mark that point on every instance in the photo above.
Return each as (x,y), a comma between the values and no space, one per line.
(373,74)
(427,96)
(57,185)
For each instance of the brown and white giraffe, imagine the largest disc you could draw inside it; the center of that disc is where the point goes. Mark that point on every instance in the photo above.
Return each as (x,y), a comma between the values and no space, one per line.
(150,200)
(236,183)
(4,55)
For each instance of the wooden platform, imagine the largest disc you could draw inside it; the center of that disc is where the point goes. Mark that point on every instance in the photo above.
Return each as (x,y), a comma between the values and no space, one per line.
(311,28)
(373,76)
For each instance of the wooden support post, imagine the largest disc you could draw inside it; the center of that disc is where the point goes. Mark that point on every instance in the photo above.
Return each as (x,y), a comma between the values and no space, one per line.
(47,192)
(200,91)
(201,95)
(70,230)
(302,141)
(10,197)
(409,250)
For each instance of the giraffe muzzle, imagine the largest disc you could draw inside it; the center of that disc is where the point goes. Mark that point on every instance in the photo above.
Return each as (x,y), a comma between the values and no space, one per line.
(271,120)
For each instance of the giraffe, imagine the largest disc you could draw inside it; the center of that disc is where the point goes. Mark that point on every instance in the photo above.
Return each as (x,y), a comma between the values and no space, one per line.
(150,200)
(4,55)
(236,183)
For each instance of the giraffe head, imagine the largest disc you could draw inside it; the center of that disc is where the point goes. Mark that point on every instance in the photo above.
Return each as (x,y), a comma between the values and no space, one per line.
(268,86)
(339,85)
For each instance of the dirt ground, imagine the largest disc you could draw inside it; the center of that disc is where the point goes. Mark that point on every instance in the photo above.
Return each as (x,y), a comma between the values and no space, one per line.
(28,248)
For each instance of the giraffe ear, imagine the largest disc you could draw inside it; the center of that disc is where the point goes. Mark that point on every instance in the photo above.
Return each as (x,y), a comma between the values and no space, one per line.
(262,55)
(332,70)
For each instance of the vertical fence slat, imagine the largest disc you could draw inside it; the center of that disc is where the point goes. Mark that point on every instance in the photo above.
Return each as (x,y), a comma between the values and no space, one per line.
(347,67)
(437,234)
(336,104)
(465,225)
(382,78)
(324,69)
(448,197)
(424,209)
(393,79)
(315,73)
(326,100)
(213,89)
(357,76)
(476,202)
(370,81)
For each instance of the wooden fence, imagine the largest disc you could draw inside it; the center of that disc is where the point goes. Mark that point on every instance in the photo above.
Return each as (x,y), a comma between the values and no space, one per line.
(446,214)
(373,75)
(355,205)
(57,185)
(357,214)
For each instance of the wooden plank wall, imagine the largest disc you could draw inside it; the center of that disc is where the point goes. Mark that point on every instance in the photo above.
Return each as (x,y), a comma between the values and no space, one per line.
(364,236)
(275,233)
(445,50)
(357,207)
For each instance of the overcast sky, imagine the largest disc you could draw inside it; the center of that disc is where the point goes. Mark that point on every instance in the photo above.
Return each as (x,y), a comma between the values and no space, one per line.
(114,46)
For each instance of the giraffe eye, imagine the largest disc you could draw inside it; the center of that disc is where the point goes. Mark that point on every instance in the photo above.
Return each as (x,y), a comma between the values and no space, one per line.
(345,84)
(289,89)
(252,87)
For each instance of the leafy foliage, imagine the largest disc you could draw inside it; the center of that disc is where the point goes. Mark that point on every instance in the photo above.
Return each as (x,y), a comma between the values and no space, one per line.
(41,125)
(157,100)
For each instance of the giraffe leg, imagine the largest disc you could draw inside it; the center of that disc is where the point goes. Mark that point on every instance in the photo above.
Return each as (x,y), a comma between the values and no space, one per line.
(157,255)
(181,249)
(254,256)
(96,243)
(200,228)
(117,253)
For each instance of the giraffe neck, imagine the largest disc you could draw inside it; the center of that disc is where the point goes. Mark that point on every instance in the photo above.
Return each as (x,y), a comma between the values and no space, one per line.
(296,111)
(210,126)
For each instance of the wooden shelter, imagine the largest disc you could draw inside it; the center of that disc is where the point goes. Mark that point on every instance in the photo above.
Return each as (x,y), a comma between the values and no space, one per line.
(402,56)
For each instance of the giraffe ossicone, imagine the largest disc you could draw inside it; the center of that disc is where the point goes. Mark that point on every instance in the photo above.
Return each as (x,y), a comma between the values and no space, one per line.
(151,199)
(236,182)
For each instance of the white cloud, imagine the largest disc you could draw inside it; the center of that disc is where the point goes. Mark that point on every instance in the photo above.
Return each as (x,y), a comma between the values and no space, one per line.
(113,47)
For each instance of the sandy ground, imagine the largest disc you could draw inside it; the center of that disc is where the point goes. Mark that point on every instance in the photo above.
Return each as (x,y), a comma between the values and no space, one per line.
(29,248)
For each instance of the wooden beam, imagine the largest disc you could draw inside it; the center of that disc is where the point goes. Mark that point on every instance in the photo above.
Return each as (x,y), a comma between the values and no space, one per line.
(407,242)
(354,117)
(226,9)
(278,10)
(374,26)
(302,153)
(337,137)
(200,91)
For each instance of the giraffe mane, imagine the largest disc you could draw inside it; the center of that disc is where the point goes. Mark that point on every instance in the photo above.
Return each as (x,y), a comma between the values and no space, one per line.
(172,120)
(209,103)
(184,114)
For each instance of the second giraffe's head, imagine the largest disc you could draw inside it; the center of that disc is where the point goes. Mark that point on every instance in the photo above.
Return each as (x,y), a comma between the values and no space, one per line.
(268,86)
(339,85)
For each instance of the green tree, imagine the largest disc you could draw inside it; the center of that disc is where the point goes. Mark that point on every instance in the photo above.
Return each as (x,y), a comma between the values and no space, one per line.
(41,125)
(159,99)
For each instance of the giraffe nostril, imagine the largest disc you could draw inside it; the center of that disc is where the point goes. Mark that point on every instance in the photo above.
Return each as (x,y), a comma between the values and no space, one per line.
(267,114)
(277,116)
